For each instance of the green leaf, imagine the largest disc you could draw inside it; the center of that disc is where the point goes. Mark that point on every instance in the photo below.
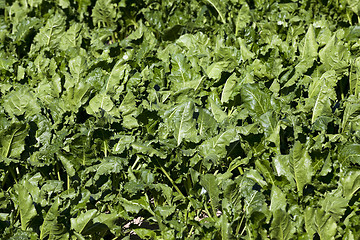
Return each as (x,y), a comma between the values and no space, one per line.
(50,34)
(21,102)
(278,199)
(50,226)
(147,150)
(208,181)
(335,204)
(100,102)
(182,74)
(215,148)
(225,226)
(309,51)
(25,204)
(335,56)
(354,80)
(255,100)
(350,153)
(104,13)
(215,70)
(350,182)
(205,123)
(300,163)
(217,112)
(246,54)
(180,119)
(281,226)
(321,91)
(325,225)
(69,167)
(351,115)
(72,37)
(12,142)
(79,223)
(229,88)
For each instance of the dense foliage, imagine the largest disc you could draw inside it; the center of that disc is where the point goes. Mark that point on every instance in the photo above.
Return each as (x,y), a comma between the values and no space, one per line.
(200,119)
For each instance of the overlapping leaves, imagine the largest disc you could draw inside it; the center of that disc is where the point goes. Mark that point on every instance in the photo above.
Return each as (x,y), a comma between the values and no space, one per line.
(179,120)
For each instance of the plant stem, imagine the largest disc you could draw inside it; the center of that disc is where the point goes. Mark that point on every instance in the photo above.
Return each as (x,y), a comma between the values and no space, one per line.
(172,181)
(58,172)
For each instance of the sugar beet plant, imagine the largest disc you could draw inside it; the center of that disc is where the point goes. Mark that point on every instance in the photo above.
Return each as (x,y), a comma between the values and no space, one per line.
(179,119)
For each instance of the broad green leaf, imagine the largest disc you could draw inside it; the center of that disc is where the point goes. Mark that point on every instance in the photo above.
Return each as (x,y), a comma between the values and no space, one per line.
(147,150)
(25,27)
(25,204)
(81,220)
(255,100)
(117,77)
(335,56)
(69,167)
(12,140)
(108,166)
(321,91)
(271,126)
(205,123)
(128,105)
(50,35)
(180,119)
(300,164)
(278,199)
(52,186)
(225,226)
(350,183)
(144,233)
(243,18)
(100,102)
(246,54)
(354,78)
(351,115)
(104,13)
(51,227)
(325,225)
(264,168)
(354,6)
(217,112)
(109,219)
(309,51)
(77,91)
(215,70)
(255,202)
(77,67)
(165,211)
(350,153)
(228,89)
(21,102)
(123,142)
(208,181)
(130,206)
(72,37)
(182,74)
(215,148)
(282,226)
(335,204)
